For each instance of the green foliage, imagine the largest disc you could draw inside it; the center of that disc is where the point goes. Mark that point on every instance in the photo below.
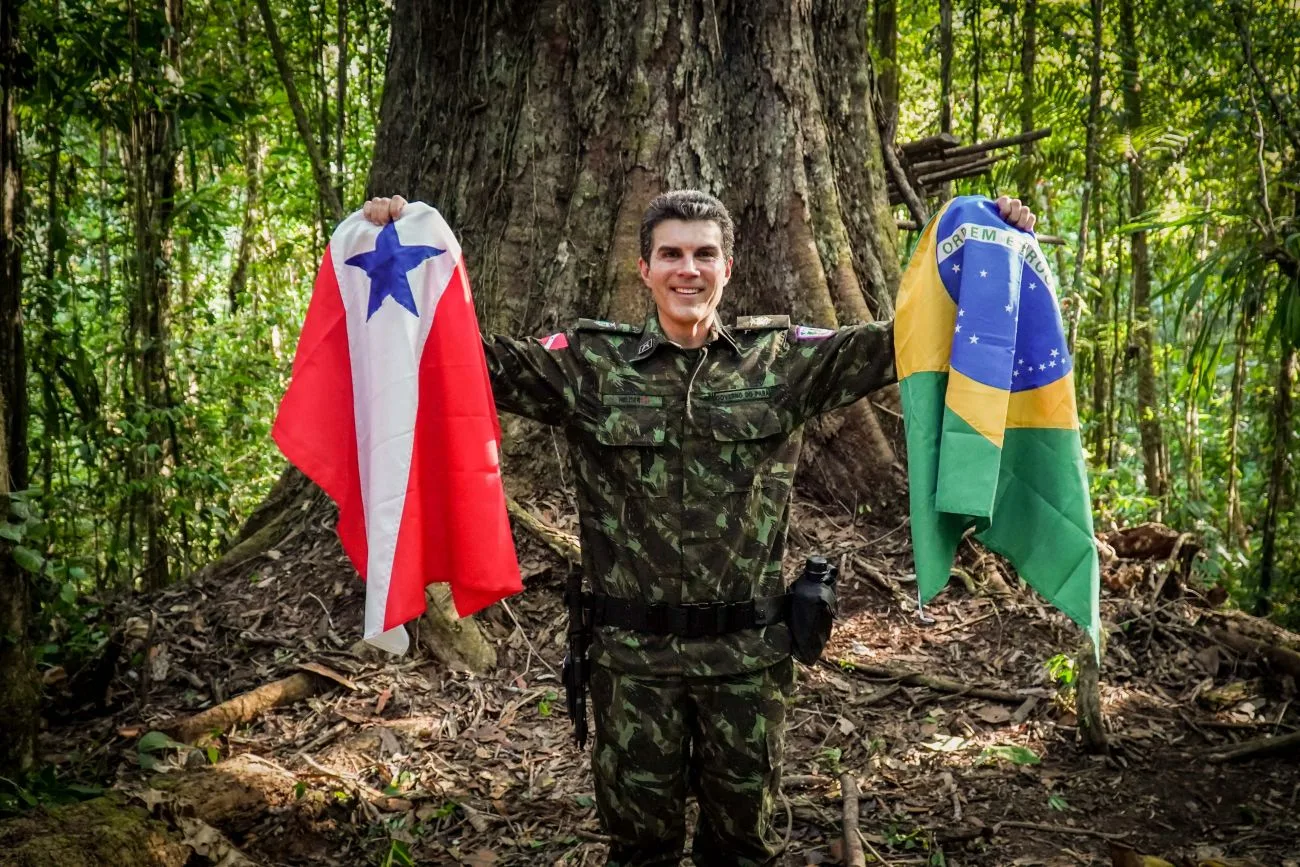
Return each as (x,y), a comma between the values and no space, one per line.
(42,788)
(1062,670)
(1015,754)
(244,191)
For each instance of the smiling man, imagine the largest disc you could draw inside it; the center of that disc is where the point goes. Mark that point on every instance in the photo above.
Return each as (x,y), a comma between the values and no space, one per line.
(684,435)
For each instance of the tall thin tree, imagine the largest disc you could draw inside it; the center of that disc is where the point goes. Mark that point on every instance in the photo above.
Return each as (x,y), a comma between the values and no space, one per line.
(19,687)
(1148,409)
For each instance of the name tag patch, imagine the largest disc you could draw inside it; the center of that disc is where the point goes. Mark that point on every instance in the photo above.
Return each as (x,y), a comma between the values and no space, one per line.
(631,400)
(740,394)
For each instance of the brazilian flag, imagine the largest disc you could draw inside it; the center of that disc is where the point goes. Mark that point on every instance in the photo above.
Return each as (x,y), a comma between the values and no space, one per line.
(988,401)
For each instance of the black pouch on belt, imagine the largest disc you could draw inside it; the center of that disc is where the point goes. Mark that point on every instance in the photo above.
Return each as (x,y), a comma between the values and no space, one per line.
(812,609)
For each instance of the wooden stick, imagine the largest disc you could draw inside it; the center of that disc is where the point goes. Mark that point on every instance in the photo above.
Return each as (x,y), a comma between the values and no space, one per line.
(1008,141)
(1056,829)
(853,854)
(1256,747)
(939,684)
(247,707)
(965,170)
(562,543)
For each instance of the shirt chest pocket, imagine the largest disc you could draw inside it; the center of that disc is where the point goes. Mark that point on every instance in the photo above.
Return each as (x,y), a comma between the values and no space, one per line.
(633,442)
(754,449)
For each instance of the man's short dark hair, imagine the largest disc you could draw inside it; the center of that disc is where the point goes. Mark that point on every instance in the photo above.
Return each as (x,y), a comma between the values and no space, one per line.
(686,205)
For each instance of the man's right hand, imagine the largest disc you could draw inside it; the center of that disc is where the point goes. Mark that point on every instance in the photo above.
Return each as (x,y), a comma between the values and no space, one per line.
(383,210)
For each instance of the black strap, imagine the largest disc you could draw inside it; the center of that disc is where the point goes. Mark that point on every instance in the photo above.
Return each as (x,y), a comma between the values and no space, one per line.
(698,620)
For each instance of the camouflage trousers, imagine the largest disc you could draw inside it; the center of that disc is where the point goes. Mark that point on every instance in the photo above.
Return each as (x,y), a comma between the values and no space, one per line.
(720,738)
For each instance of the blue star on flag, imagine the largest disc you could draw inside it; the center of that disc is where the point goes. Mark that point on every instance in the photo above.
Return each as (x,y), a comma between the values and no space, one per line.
(387,266)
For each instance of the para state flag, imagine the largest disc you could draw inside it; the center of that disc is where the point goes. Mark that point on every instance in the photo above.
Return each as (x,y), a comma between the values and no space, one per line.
(988,402)
(390,411)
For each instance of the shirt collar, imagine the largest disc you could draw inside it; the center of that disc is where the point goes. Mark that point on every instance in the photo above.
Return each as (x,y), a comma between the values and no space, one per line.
(652,337)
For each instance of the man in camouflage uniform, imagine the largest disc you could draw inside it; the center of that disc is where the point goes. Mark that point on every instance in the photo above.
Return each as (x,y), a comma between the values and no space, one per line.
(684,436)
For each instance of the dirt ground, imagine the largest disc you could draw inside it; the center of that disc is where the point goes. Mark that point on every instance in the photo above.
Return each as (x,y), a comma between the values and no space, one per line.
(412,763)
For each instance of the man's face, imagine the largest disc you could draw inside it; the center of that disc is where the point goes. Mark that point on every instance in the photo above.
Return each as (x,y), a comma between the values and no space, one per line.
(686,272)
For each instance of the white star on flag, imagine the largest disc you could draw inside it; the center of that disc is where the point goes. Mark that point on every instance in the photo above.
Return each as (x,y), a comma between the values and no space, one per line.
(1033,285)
(1042,367)
(1020,361)
(974,338)
(957,330)
(1015,373)
(984,273)
(961,312)
(1007,308)
(1052,363)
(1055,353)
(956,269)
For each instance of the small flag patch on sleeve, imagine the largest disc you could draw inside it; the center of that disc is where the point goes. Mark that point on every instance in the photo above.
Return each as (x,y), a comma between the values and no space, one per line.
(807,332)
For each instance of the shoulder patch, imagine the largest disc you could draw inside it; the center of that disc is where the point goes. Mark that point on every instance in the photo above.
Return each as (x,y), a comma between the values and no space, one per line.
(604,325)
(556,341)
(808,332)
(755,323)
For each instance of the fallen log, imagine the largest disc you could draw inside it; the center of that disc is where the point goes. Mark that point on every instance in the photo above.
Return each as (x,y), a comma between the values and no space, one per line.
(1281,658)
(1257,747)
(930,681)
(1148,541)
(103,832)
(246,707)
(1258,628)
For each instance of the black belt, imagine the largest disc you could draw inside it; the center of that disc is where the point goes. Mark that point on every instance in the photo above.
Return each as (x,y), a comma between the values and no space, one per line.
(697,620)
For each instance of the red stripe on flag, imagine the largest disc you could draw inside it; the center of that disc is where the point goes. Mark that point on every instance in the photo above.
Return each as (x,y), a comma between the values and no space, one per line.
(314,426)
(454,525)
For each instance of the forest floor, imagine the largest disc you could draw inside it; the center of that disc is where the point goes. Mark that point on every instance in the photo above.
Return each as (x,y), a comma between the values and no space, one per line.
(405,761)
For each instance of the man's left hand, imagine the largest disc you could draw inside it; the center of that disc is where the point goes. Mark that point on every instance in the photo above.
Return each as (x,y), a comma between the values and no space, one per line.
(1016,213)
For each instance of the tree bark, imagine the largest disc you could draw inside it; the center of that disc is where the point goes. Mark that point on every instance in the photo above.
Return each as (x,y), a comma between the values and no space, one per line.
(1101,310)
(341,105)
(1279,465)
(19,687)
(1026,169)
(151,152)
(1236,528)
(885,29)
(252,184)
(976,59)
(1147,403)
(544,154)
(945,66)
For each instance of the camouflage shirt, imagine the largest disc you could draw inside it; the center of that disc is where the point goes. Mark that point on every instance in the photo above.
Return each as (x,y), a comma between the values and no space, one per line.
(684,461)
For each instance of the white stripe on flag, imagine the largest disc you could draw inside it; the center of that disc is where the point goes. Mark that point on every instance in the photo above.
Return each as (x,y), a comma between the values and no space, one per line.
(385,354)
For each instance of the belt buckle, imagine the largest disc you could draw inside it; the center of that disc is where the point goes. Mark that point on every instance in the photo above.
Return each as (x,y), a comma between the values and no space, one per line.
(707,619)
(659,619)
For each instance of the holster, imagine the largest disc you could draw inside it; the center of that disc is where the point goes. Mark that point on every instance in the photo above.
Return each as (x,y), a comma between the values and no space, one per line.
(813,608)
(577,668)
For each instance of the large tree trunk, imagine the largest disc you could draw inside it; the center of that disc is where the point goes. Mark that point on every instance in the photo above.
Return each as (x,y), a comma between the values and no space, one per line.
(542,130)
(19,690)
(543,152)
